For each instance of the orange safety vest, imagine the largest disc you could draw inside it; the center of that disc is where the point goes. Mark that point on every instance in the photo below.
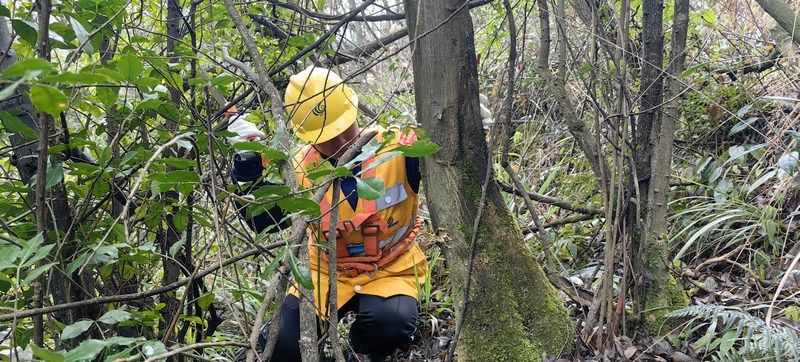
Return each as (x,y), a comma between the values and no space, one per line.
(376,252)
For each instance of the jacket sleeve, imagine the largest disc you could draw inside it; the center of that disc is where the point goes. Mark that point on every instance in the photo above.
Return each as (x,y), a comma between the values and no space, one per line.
(247,171)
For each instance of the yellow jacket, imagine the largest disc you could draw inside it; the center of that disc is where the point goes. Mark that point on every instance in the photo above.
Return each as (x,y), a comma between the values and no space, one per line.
(396,209)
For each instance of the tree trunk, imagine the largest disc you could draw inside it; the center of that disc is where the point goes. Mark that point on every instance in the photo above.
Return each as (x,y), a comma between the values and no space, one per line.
(656,290)
(512,313)
(25,158)
(784,15)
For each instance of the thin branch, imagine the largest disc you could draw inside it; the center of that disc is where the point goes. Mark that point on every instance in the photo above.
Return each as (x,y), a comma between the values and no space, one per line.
(551,200)
(364,50)
(191,347)
(274,29)
(564,221)
(333,303)
(136,296)
(366,18)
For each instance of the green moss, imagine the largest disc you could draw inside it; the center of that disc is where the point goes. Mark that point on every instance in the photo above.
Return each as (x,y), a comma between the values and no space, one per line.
(514,313)
(661,300)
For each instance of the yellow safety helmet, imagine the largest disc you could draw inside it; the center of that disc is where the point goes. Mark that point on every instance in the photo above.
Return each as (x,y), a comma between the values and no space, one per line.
(319,104)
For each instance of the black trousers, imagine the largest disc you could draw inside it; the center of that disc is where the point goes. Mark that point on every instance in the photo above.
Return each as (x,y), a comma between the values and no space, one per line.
(381,325)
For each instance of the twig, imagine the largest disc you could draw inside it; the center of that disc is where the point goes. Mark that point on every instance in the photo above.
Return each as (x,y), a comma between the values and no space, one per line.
(564,221)
(780,287)
(193,346)
(333,306)
(243,67)
(132,193)
(367,18)
(352,14)
(718,259)
(77,52)
(550,200)
(135,296)
(276,31)
(259,321)
(364,50)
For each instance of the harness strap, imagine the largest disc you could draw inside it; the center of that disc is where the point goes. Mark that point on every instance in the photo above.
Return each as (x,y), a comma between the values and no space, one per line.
(369,222)
(356,265)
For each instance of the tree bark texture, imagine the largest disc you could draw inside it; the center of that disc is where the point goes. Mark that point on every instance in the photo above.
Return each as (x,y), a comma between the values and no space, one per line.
(784,15)
(656,290)
(26,159)
(513,313)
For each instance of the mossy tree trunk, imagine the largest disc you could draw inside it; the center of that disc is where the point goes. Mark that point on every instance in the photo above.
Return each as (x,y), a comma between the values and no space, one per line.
(512,312)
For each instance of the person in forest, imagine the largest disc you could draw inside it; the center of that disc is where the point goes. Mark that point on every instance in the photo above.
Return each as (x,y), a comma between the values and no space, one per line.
(379,264)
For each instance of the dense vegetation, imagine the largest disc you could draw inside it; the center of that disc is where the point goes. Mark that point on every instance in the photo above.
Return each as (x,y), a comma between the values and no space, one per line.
(132,249)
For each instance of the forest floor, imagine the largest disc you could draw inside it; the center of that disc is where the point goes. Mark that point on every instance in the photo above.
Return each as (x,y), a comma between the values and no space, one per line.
(727,282)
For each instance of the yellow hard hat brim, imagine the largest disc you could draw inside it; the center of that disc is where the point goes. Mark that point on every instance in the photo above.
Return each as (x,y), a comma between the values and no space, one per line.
(330,129)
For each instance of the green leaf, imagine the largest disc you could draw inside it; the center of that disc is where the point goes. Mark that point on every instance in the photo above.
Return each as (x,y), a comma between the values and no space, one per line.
(123,341)
(788,162)
(384,158)
(77,263)
(8,91)
(8,256)
(370,188)
(111,74)
(87,350)
(104,255)
(223,79)
(180,219)
(710,17)
(153,348)
(76,329)
(23,67)
(47,355)
(128,156)
(83,35)
(40,252)
(742,111)
(129,66)
(419,148)
(366,152)
(301,274)
(146,82)
(4,11)
(549,179)
(48,99)
(181,176)
(76,78)
(107,95)
(761,180)
(55,173)
(296,204)
(25,30)
(738,127)
(795,135)
(30,249)
(14,125)
(728,340)
(177,246)
(297,41)
(270,192)
(691,70)
(32,275)
(273,264)
(115,316)
(205,300)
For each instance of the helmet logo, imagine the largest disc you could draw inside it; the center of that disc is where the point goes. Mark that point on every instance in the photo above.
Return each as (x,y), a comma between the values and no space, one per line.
(319,109)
